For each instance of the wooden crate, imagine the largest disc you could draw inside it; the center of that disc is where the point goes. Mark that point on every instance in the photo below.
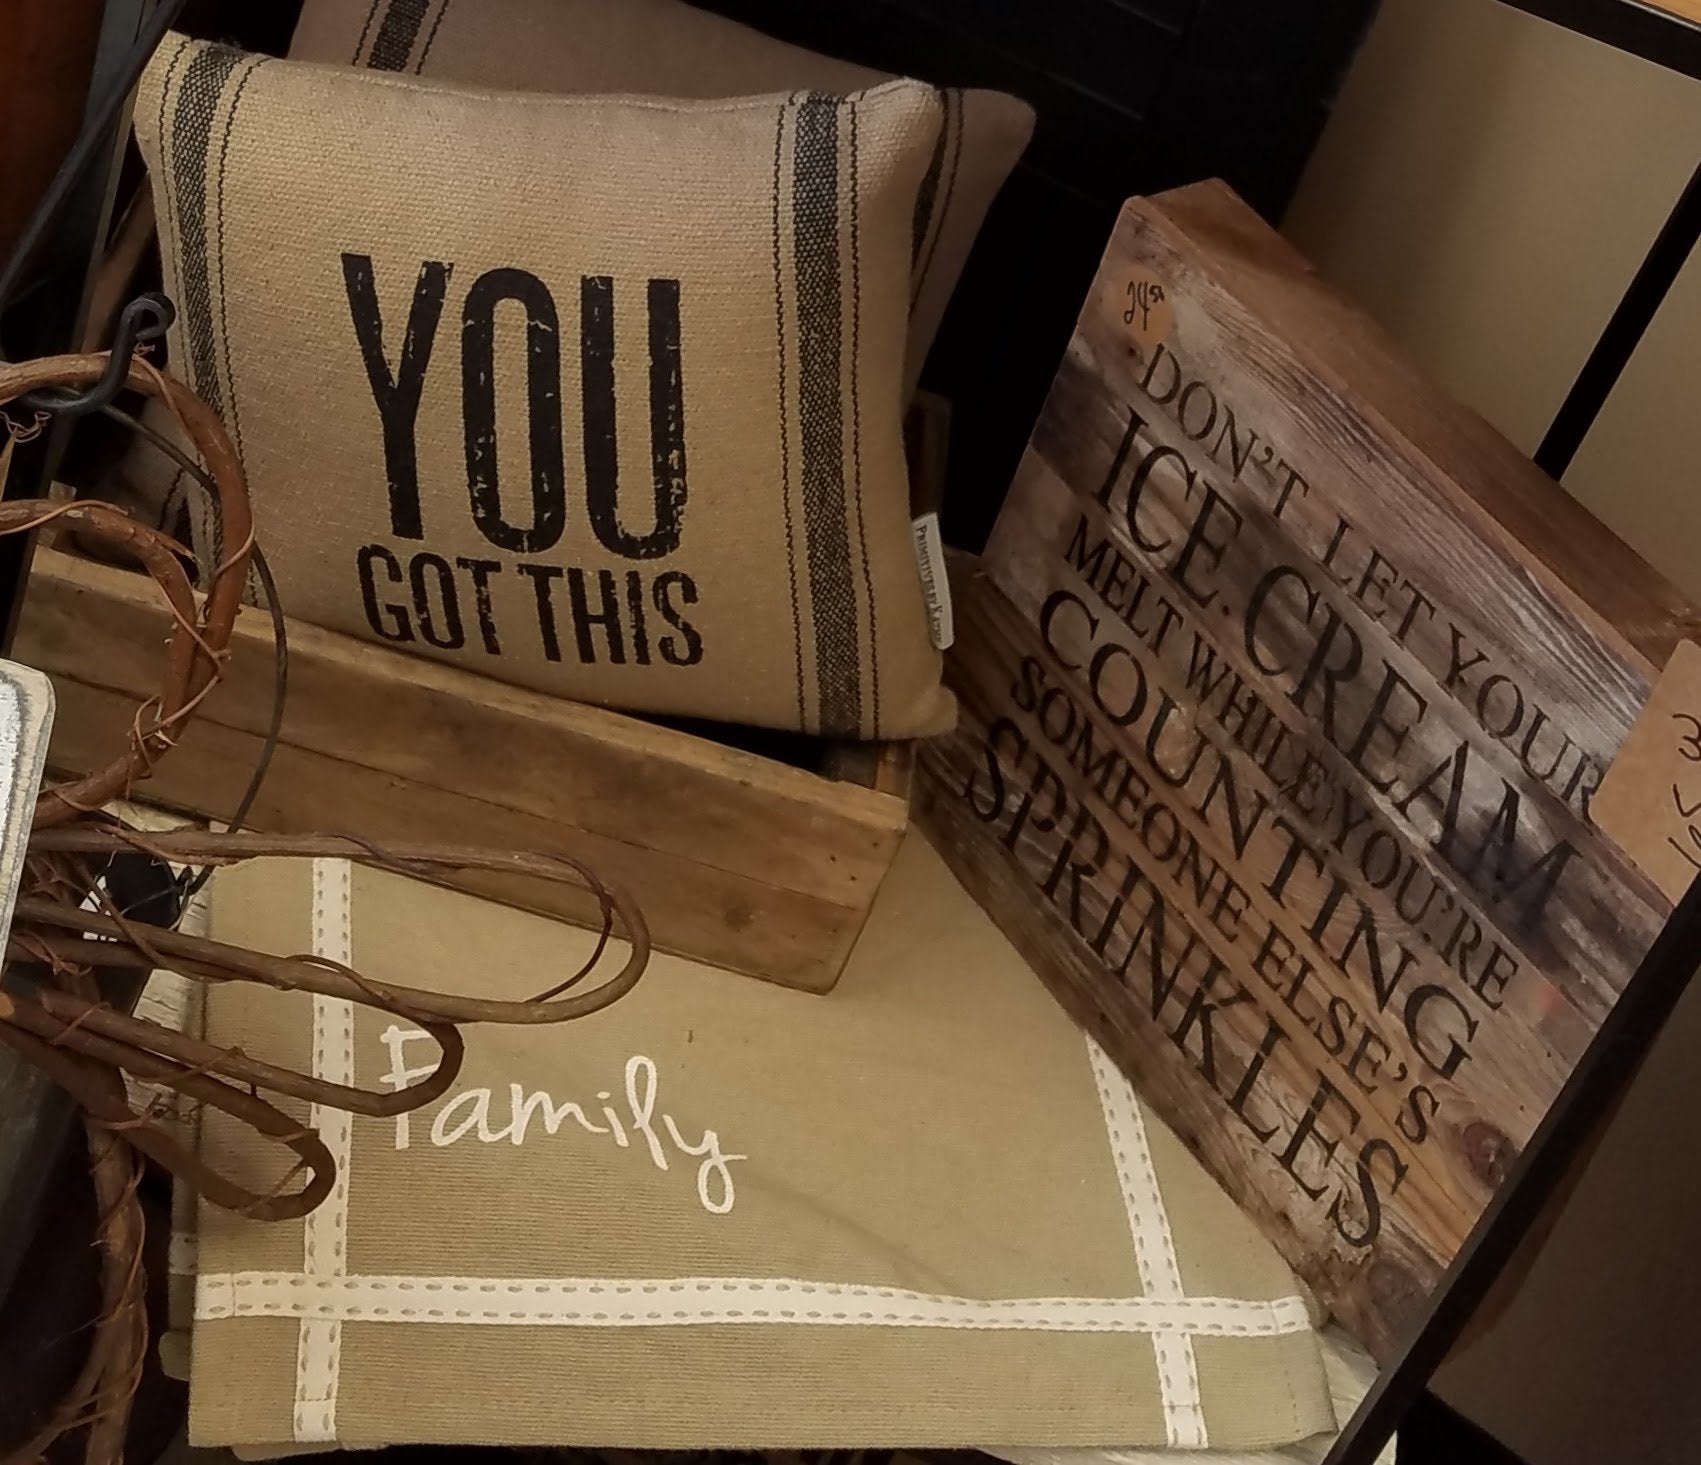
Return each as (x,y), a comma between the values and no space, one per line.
(736,859)
(1287,688)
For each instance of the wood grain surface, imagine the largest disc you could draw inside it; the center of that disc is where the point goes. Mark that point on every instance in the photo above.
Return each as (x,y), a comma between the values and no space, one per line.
(736,859)
(1286,684)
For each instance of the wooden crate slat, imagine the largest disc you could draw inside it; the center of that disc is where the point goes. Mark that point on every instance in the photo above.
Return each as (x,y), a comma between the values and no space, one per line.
(1286,684)
(736,859)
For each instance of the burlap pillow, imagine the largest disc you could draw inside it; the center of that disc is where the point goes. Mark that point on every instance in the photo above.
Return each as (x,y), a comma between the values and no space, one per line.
(922,1211)
(597,395)
(665,48)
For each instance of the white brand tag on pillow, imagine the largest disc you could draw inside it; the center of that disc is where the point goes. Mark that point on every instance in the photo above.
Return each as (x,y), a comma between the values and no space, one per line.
(935,585)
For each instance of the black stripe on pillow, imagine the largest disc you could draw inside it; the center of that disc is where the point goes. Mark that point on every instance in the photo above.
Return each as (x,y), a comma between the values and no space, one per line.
(195,195)
(817,258)
(927,197)
(950,139)
(855,387)
(209,71)
(397,33)
(784,416)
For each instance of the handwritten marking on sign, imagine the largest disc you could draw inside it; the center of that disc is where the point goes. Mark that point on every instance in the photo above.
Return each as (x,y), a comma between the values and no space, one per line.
(1146,309)
(1650,800)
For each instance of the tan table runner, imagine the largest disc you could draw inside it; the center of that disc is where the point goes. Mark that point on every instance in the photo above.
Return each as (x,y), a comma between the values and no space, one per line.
(921,1212)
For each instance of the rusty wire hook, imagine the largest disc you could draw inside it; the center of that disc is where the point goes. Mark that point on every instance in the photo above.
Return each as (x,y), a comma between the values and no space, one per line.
(146,318)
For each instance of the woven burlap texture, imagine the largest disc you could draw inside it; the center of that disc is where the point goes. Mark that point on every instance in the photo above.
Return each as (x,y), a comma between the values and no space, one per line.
(601,396)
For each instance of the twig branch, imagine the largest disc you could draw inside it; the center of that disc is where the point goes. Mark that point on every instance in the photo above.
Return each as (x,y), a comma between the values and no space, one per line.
(53,1015)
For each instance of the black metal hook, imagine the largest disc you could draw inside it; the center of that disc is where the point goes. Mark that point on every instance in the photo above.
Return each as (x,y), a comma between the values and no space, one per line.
(146,318)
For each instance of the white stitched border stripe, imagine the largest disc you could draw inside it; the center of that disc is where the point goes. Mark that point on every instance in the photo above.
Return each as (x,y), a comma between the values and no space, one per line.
(324,1296)
(687,1301)
(318,1360)
(1154,1249)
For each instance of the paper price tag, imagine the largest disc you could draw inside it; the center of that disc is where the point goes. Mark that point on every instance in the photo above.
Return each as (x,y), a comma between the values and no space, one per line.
(1650,800)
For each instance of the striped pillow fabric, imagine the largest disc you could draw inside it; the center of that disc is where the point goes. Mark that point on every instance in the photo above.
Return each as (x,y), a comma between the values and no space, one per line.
(667,48)
(601,396)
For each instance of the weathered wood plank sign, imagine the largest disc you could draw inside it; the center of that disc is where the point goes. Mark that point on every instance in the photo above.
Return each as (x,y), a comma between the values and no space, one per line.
(1286,685)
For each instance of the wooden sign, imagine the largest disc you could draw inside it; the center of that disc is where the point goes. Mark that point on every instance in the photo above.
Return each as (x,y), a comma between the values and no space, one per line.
(1285,687)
